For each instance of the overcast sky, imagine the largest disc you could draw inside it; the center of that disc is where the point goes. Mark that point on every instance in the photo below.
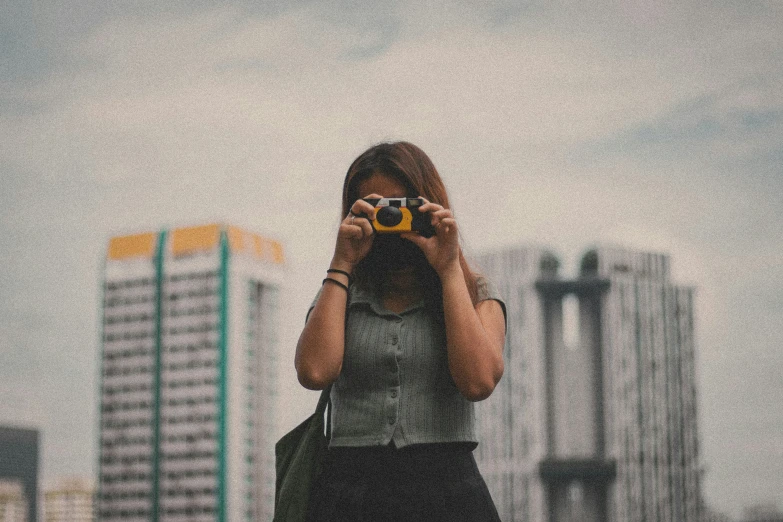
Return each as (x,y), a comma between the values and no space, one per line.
(657,125)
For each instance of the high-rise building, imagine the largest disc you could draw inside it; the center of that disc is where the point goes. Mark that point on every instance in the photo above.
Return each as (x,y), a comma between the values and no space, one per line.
(69,500)
(189,386)
(598,422)
(19,467)
(512,422)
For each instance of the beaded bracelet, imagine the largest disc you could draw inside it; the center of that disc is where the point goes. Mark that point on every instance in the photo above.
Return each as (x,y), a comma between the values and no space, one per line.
(343,272)
(335,281)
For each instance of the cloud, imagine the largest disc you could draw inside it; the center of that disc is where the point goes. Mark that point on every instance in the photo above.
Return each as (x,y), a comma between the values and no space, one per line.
(749,112)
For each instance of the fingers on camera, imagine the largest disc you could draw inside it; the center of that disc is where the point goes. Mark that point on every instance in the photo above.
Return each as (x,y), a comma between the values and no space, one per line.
(440,215)
(357,228)
(365,226)
(361,207)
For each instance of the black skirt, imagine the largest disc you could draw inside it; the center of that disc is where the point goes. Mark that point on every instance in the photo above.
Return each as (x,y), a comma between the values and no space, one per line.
(424,482)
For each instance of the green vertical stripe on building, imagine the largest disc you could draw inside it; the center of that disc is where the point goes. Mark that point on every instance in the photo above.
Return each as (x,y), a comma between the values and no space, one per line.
(156,376)
(222,431)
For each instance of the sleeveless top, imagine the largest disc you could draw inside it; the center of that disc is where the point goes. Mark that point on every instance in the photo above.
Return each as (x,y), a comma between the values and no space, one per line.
(395,384)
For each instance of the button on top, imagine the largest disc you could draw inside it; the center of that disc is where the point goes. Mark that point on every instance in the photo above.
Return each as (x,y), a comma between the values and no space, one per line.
(394,339)
(391,420)
(394,394)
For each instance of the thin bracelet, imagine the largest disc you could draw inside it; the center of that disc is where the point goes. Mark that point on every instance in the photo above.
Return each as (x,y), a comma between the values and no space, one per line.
(343,272)
(335,281)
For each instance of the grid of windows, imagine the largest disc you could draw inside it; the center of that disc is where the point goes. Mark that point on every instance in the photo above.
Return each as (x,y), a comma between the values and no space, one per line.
(127,398)
(262,393)
(649,354)
(190,317)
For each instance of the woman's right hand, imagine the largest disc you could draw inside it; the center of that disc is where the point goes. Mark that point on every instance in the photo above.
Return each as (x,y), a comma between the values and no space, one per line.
(355,236)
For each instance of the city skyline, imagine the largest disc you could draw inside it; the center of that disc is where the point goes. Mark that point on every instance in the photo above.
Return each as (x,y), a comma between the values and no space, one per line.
(656,126)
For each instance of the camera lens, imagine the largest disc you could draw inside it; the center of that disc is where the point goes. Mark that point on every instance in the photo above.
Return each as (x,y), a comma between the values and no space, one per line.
(389,216)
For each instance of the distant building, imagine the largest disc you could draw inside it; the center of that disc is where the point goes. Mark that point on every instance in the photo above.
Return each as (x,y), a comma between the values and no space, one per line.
(189,378)
(512,422)
(70,500)
(13,502)
(19,465)
(602,428)
(762,513)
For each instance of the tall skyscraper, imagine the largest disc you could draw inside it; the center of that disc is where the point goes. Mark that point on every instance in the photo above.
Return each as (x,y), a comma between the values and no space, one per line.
(603,424)
(19,468)
(189,380)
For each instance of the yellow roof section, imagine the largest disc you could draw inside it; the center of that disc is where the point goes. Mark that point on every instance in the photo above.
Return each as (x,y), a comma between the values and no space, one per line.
(194,239)
(258,246)
(236,239)
(136,245)
(205,238)
(277,252)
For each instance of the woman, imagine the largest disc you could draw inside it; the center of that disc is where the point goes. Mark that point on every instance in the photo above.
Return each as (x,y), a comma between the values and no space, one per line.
(410,337)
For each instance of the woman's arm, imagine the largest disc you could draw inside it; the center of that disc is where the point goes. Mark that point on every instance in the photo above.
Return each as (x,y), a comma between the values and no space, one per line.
(321,346)
(319,352)
(474,335)
(474,338)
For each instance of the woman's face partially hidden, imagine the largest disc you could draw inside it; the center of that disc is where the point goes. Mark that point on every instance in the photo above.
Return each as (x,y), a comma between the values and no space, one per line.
(390,253)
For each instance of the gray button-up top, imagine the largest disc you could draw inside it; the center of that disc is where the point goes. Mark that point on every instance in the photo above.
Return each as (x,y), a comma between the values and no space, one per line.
(395,383)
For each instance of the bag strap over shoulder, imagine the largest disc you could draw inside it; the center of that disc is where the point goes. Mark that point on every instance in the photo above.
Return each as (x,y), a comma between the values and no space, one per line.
(323,400)
(324,406)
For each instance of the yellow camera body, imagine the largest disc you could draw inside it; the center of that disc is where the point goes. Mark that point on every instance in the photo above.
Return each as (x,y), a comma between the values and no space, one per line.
(398,215)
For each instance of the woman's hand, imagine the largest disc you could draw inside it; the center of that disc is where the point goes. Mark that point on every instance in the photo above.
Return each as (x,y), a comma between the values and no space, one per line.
(355,236)
(442,249)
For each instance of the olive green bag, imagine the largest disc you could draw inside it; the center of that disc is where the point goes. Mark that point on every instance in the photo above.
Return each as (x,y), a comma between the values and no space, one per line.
(299,458)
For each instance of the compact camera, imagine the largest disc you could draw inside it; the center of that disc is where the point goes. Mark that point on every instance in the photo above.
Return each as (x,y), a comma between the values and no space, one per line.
(397,215)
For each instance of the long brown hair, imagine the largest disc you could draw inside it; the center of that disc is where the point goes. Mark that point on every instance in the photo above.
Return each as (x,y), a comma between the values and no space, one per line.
(408,164)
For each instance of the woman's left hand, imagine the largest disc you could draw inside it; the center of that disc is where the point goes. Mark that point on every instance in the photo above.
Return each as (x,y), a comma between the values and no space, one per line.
(442,249)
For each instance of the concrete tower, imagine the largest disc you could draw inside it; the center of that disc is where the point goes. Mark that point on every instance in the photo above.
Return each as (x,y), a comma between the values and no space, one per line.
(609,417)
(189,376)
